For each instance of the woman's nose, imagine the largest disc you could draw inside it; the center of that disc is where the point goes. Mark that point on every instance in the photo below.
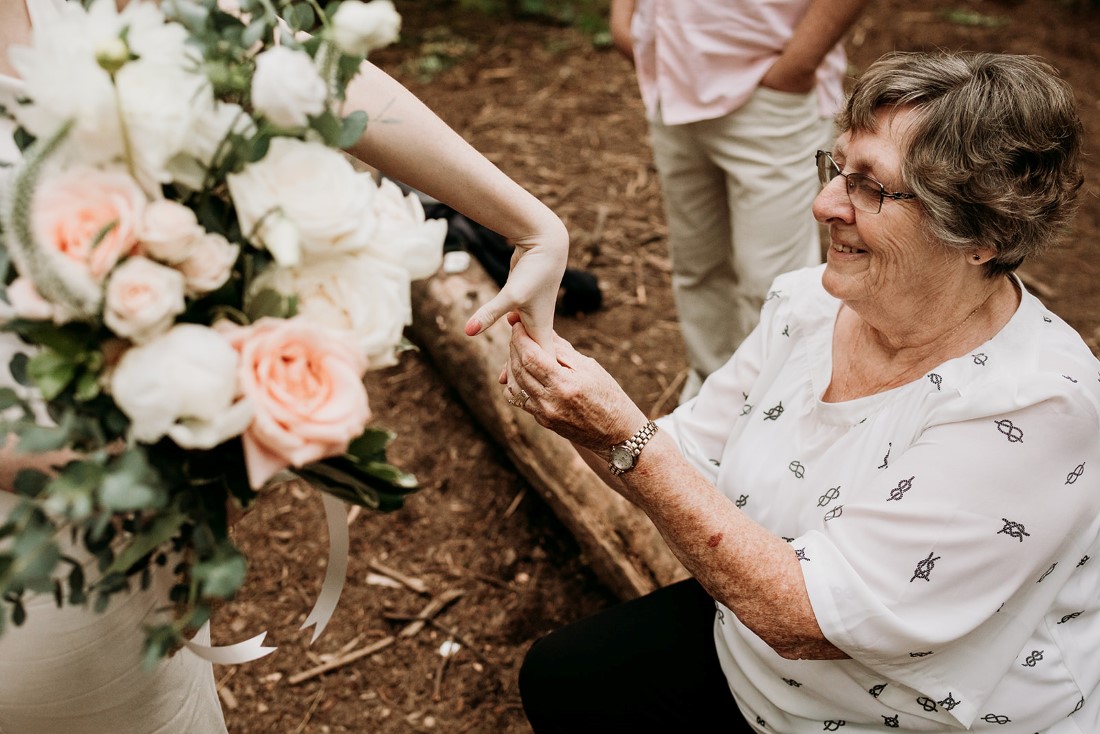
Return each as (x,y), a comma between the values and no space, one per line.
(832,202)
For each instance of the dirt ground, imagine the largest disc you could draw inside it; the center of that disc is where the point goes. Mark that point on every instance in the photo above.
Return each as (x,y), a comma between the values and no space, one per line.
(565,120)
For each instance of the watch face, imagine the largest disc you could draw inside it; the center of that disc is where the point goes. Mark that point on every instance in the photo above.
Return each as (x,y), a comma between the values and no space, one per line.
(621,458)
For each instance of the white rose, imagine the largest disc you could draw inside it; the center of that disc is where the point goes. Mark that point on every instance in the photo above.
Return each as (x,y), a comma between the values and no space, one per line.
(209,264)
(308,197)
(142,299)
(359,28)
(403,236)
(286,88)
(168,231)
(211,127)
(358,294)
(182,384)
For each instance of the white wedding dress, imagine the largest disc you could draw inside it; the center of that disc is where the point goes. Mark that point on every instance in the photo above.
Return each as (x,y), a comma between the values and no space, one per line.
(70,670)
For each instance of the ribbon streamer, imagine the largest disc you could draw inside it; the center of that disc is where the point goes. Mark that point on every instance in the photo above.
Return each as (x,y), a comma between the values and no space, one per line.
(336,517)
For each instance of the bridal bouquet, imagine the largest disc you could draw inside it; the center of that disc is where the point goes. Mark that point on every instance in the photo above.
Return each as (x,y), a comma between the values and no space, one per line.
(202,279)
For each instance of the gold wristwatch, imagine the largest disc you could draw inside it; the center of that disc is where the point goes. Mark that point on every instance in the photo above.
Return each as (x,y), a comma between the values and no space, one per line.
(623,456)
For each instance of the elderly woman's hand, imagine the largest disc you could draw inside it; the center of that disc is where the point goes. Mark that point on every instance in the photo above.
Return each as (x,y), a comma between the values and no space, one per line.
(569,393)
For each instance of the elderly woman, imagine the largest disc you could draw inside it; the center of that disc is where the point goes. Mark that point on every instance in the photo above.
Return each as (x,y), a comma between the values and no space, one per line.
(889,497)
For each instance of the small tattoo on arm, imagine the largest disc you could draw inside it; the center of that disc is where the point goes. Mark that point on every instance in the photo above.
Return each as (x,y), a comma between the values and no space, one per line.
(714,540)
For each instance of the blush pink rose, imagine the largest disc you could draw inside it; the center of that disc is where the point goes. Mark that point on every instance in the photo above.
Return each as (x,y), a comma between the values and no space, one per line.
(307,391)
(79,205)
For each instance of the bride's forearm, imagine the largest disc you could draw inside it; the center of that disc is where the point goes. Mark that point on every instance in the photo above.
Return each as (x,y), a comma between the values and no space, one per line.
(407,141)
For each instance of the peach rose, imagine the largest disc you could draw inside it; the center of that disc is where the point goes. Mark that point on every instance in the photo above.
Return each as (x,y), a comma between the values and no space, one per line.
(307,391)
(90,216)
(143,299)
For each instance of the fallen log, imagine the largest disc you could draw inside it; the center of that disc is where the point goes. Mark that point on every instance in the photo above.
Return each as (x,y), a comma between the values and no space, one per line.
(619,542)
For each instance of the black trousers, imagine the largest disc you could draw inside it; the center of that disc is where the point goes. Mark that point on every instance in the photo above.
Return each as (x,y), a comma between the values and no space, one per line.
(648,665)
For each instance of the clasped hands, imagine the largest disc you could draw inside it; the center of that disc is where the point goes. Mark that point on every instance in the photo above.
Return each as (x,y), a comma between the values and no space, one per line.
(567,392)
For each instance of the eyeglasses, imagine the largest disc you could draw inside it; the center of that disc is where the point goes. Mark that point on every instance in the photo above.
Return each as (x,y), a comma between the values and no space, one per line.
(865,193)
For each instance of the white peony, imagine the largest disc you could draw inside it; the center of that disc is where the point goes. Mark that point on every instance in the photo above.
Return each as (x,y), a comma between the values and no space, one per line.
(303,198)
(359,28)
(182,384)
(65,81)
(209,264)
(160,105)
(287,88)
(142,299)
(357,294)
(403,236)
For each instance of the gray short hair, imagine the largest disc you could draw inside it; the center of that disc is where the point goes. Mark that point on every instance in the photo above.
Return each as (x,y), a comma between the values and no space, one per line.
(994,154)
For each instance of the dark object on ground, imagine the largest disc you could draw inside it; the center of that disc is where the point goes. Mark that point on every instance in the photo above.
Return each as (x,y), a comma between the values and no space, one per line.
(580,289)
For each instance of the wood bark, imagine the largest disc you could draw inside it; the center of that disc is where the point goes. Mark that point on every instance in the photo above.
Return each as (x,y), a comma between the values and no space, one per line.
(619,542)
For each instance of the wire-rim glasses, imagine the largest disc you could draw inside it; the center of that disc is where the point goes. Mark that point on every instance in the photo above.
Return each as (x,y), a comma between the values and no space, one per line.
(865,193)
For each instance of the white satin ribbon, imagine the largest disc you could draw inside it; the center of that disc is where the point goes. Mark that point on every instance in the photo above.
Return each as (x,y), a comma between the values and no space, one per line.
(336,517)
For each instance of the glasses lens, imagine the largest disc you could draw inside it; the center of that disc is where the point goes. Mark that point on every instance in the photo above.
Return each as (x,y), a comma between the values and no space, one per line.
(827,170)
(865,193)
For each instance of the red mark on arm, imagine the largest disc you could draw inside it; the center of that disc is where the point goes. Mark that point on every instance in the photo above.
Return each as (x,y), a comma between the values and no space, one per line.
(714,540)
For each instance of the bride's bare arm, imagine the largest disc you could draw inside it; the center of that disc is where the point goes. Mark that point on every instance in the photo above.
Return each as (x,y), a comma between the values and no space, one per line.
(407,141)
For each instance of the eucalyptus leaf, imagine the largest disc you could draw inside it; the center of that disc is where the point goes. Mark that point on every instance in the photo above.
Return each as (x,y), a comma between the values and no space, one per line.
(352,128)
(43,439)
(268,302)
(30,482)
(221,575)
(159,641)
(160,531)
(328,126)
(255,31)
(9,398)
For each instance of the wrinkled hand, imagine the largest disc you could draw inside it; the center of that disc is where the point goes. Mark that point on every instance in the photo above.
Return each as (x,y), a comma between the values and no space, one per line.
(570,394)
(531,290)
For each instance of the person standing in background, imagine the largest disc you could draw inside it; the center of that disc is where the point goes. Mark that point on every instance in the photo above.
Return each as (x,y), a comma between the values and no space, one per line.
(739,95)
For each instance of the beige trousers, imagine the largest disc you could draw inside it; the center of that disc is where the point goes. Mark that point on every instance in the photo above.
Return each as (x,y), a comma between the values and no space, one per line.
(737,192)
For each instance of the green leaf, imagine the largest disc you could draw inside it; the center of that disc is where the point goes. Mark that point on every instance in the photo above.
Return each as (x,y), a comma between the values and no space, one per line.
(255,32)
(131,484)
(328,126)
(352,128)
(268,302)
(370,446)
(162,529)
(159,641)
(9,398)
(72,492)
(52,372)
(392,475)
(87,386)
(42,439)
(222,574)
(30,482)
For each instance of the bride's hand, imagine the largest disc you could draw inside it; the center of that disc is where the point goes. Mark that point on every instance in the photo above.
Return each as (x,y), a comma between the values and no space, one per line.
(532,286)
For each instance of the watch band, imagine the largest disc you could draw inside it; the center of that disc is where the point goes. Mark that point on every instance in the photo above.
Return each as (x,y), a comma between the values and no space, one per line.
(624,455)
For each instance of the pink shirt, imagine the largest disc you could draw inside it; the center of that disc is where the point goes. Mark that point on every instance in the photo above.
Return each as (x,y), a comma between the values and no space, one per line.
(713,53)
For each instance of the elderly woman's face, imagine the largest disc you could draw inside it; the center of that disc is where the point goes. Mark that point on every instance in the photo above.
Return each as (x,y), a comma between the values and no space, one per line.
(888,255)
